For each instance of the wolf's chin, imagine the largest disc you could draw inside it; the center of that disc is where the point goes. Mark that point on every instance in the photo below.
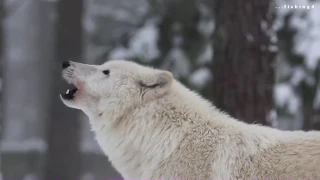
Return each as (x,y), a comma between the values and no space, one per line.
(68,102)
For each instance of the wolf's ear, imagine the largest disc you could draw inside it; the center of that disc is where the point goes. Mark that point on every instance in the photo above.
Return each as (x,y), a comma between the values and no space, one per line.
(156,84)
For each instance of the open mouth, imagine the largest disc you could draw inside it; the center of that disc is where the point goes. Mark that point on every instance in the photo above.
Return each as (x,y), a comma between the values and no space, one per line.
(70,93)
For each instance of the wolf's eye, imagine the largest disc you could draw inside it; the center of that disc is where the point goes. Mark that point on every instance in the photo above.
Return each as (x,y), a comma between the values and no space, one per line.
(106,72)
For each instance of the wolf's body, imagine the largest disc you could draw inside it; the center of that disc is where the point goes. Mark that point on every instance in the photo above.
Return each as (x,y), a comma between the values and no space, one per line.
(151,126)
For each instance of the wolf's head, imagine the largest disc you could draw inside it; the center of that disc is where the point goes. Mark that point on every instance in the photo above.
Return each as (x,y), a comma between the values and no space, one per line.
(98,86)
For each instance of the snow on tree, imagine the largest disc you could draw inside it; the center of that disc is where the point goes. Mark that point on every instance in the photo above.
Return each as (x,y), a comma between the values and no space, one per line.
(297,90)
(176,39)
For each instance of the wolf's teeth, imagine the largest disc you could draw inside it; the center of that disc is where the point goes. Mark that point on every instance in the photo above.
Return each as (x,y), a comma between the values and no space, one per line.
(67,91)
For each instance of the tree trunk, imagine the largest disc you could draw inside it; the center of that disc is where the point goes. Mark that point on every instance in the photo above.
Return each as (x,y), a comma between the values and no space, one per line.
(64,158)
(1,29)
(28,58)
(243,76)
(1,63)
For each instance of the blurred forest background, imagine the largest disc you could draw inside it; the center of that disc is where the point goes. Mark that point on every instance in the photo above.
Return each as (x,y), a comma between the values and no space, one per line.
(253,59)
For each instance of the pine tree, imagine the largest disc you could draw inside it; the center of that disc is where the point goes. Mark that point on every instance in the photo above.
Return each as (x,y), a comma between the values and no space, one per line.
(243,76)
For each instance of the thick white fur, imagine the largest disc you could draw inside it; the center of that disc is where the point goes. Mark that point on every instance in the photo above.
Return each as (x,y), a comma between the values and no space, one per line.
(168,131)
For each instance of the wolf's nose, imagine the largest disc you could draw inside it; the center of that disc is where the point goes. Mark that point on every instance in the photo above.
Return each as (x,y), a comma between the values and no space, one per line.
(65,64)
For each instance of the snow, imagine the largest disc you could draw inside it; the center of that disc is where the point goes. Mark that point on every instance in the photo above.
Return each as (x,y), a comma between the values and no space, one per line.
(206,24)
(120,53)
(200,77)
(285,96)
(117,13)
(249,37)
(206,27)
(178,62)
(299,74)
(142,9)
(142,45)
(308,37)
(28,145)
(274,39)
(177,39)
(87,176)
(264,25)
(306,22)
(272,118)
(30,176)
(203,9)
(282,12)
(312,53)
(207,55)
(89,25)
(273,48)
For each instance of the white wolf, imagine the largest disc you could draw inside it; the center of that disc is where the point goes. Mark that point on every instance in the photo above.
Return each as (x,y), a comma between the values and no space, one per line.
(151,126)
